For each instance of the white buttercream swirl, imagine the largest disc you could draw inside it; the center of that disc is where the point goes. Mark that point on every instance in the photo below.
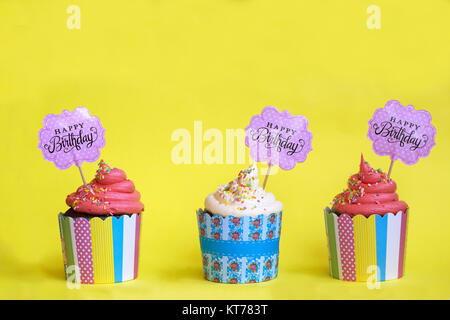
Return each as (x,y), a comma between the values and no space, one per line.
(242,197)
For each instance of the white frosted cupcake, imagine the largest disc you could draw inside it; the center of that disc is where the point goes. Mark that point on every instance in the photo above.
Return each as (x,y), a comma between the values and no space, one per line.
(240,231)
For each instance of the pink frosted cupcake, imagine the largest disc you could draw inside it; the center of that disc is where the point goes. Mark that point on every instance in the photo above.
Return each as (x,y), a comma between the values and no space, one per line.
(100,232)
(366,228)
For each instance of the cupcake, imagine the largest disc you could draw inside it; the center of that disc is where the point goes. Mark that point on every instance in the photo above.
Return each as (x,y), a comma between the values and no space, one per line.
(100,232)
(240,231)
(366,228)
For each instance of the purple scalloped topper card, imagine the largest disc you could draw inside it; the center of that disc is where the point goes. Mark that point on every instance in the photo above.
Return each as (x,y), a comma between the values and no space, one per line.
(278,138)
(401,132)
(71,138)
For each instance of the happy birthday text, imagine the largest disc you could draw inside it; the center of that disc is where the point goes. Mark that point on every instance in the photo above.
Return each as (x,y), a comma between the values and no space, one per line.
(70,137)
(272,136)
(395,130)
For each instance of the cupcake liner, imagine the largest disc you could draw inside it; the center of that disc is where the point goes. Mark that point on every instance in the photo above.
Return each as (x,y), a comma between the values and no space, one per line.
(358,246)
(100,250)
(239,249)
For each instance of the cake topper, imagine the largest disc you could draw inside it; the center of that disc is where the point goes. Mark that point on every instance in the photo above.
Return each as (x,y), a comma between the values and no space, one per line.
(401,133)
(278,138)
(71,138)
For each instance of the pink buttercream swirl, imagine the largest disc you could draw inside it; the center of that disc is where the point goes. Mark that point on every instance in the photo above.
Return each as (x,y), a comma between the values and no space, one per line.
(108,194)
(369,192)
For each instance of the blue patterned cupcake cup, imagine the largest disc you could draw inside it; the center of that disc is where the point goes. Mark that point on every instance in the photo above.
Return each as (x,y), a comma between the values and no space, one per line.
(239,249)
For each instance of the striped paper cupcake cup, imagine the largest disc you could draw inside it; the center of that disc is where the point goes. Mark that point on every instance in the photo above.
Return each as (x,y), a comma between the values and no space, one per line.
(100,250)
(362,248)
(239,249)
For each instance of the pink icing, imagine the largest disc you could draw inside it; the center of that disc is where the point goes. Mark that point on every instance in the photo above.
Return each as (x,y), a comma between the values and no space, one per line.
(108,194)
(369,192)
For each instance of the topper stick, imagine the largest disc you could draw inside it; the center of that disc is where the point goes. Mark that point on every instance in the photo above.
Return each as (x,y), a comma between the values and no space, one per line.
(390,169)
(74,157)
(82,175)
(267,176)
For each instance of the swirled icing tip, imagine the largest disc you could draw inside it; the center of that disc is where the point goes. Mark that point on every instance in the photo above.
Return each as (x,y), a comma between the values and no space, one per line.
(103,168)
(362,162)
(370,175)
(249,176)
(242,188)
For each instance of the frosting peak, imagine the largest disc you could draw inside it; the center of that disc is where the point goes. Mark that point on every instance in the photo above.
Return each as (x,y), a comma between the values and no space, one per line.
(369,192)
(242,196)
(244,187)
(369,175)
(108,194)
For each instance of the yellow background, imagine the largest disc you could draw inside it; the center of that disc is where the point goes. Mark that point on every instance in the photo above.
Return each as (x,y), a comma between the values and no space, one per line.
(147,68)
